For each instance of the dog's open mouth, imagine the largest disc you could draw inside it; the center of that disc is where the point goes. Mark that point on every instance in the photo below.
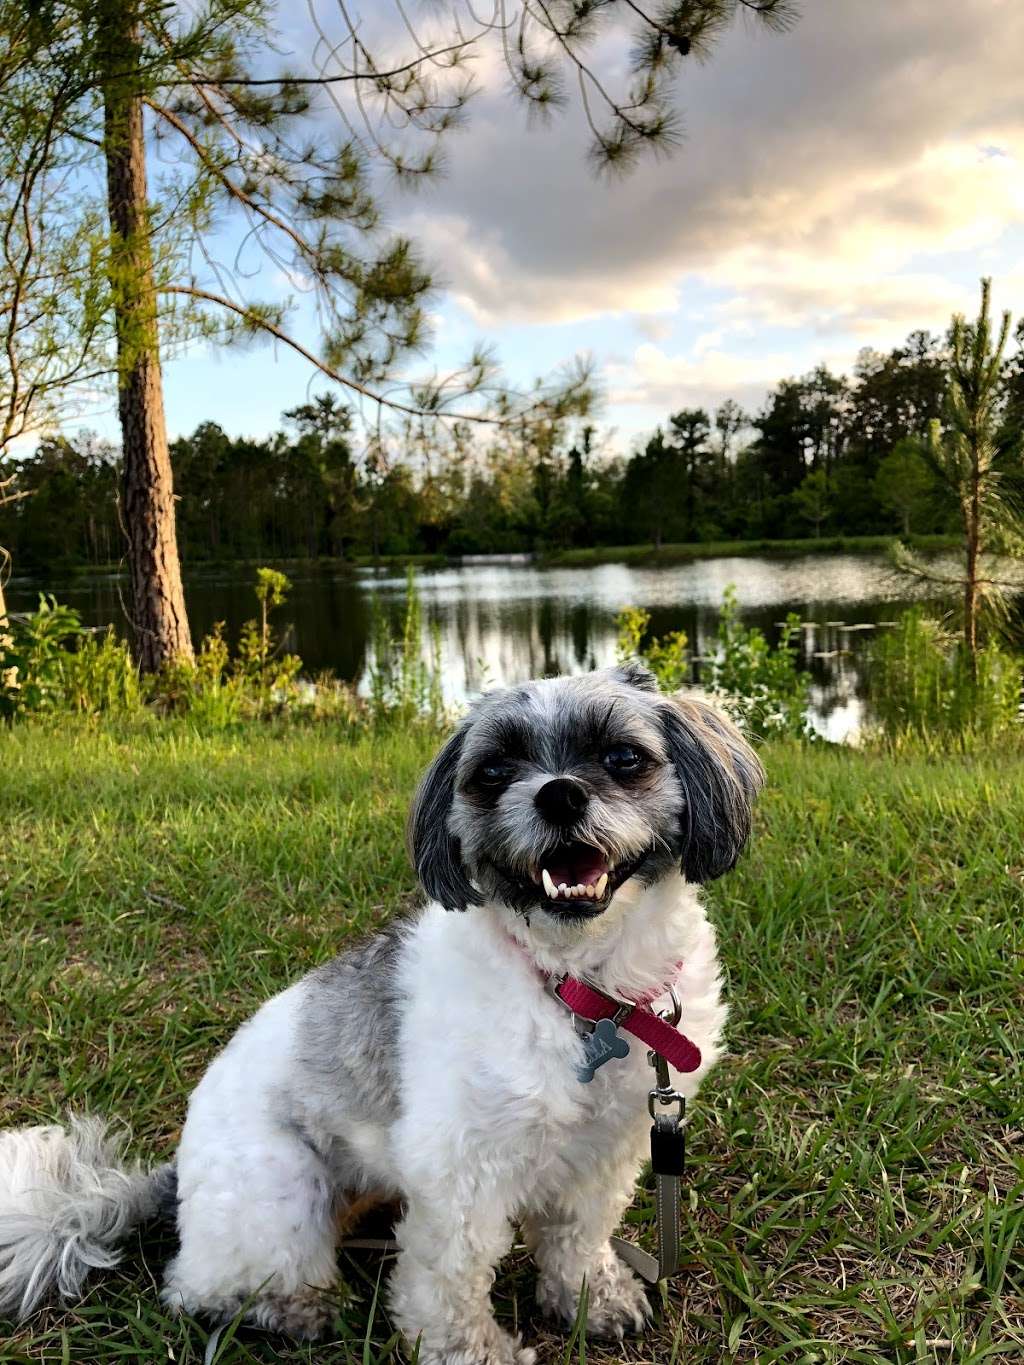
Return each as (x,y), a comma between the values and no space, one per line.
(580,878)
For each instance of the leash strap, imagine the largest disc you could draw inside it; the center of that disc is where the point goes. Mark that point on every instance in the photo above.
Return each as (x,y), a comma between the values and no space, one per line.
(667,1157)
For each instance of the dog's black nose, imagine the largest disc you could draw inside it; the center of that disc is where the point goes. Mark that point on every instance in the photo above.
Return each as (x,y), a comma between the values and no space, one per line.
(562,800)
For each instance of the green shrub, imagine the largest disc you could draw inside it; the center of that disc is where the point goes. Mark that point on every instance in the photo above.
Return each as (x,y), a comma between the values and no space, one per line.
(666,655)
(50,662)
(207,688)
(760,685)
(218,688)
(921,684)
(31,661)
(100,675)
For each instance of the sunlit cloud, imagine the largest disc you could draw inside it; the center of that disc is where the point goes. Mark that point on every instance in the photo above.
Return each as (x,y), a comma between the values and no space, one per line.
(654,378)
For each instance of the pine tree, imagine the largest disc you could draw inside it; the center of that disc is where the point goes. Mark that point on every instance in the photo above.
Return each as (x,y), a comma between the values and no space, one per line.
(972,450)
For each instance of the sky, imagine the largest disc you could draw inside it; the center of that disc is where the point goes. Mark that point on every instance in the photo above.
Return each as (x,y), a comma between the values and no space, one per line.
(837,187)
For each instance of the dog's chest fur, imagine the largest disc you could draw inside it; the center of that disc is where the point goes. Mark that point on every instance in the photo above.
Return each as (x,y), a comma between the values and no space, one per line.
(441,1045)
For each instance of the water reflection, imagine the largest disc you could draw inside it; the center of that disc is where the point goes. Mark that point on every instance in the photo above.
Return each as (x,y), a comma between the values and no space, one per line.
(501,623)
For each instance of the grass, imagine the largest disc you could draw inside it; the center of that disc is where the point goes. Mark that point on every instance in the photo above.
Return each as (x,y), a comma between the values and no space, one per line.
(854,1190)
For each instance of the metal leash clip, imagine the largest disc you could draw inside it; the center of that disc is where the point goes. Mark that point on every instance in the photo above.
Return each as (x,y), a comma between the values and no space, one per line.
(664,1093)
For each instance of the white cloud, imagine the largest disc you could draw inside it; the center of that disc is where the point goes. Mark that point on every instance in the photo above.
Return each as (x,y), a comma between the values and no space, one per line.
(653,378)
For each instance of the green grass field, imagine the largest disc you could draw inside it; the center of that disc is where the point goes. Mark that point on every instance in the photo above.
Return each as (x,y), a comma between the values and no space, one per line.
(855,1182)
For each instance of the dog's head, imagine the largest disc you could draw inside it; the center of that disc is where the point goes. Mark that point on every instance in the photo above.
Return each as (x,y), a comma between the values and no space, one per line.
(551,795)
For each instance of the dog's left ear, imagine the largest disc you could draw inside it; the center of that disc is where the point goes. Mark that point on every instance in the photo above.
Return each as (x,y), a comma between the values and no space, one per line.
(434,850)
(634,674)
(720,776)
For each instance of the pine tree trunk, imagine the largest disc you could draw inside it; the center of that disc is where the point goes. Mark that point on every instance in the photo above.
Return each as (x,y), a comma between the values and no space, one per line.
(160,624)
(971,599)
(973,537)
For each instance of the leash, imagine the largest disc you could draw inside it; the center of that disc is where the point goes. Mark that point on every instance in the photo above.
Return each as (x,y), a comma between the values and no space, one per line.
(666,1106)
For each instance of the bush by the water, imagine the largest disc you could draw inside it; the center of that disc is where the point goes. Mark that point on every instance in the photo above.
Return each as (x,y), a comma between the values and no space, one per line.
(923,683)
(49,661)
(760,684)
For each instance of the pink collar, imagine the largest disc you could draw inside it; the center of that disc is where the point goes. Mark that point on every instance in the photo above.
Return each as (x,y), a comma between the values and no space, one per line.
(636,1017)
(639,1020)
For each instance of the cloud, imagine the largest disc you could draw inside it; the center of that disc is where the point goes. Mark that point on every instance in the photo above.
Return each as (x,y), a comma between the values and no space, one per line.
(822,171)
(653,378)
(488,283)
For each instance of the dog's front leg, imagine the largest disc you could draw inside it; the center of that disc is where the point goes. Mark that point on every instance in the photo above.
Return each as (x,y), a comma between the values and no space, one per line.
(440,1290)
(570,1241)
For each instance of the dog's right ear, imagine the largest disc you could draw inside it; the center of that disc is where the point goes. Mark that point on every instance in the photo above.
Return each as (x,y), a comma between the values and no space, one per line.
(434,850)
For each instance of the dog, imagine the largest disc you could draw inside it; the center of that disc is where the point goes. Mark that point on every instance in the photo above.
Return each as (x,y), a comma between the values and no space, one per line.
(563,831)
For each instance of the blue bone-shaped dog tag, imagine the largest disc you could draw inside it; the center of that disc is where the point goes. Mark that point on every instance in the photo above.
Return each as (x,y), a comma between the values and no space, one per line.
(599,1047)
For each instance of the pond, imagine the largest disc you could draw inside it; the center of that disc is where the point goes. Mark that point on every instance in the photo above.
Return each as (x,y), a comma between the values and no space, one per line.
(501,622)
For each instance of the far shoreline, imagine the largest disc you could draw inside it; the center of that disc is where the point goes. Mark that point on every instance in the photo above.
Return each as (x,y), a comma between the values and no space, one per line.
(576,557)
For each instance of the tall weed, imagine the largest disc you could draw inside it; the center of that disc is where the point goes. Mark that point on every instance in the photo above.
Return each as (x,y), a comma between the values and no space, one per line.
(921,684)
(404,677)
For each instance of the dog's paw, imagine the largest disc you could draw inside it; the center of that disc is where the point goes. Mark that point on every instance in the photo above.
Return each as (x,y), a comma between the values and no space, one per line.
(616,1302)
(305,1315)
(491,1347)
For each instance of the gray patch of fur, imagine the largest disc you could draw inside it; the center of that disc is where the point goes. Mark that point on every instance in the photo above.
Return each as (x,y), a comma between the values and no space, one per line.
(349,1029)
(68,1199)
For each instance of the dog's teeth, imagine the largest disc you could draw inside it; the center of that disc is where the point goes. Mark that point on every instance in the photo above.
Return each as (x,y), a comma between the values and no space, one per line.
(591,892)
(549,887)
(601,885)
(563,889)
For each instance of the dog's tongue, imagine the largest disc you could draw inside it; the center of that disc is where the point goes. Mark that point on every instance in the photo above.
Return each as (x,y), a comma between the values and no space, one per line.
(580,866)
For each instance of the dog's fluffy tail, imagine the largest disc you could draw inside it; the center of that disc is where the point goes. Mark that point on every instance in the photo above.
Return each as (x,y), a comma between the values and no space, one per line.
(68,1199)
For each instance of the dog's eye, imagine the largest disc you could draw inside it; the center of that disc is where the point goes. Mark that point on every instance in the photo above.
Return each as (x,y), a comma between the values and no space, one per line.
(494,774)
(622,759)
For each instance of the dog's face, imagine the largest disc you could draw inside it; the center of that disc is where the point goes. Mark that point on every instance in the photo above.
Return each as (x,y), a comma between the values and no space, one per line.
(553,794)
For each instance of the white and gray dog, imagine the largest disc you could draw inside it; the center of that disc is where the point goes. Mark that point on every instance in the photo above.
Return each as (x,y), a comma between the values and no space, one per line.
(574,819)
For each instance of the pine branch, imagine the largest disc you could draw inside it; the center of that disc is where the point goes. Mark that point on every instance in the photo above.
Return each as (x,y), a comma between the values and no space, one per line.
(258,322)
(236,191)
(343,78)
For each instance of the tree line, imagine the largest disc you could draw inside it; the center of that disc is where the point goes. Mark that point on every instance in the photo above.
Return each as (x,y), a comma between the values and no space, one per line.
(825,454)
